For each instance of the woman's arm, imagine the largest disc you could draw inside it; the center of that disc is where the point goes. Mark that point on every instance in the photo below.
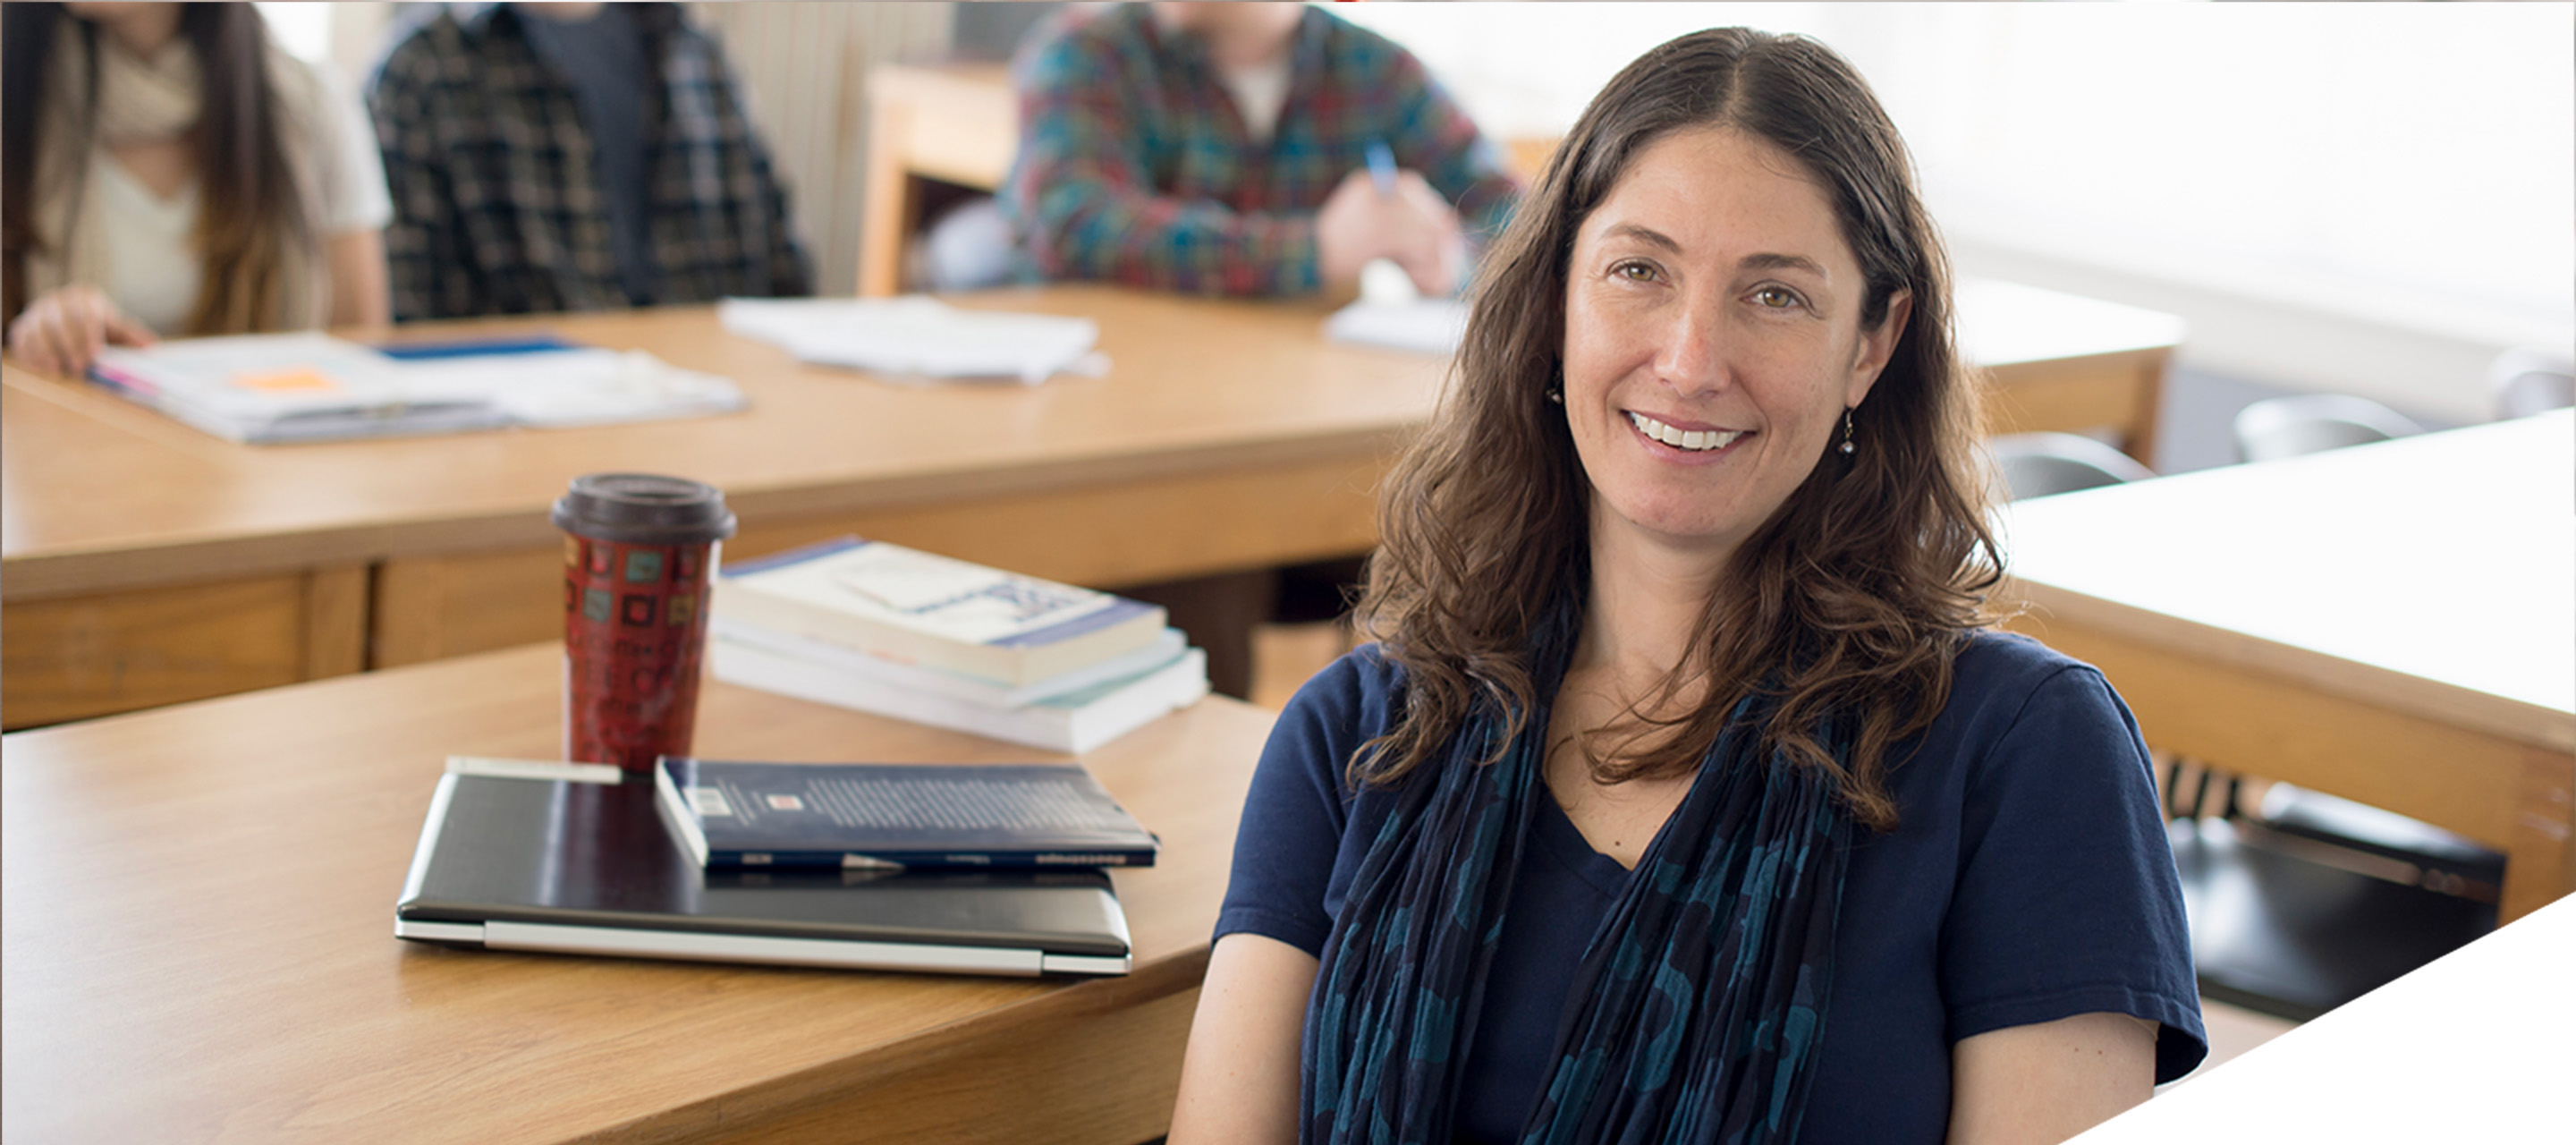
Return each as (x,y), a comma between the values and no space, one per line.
(360,293)
(1239,1076)
(2038,1085)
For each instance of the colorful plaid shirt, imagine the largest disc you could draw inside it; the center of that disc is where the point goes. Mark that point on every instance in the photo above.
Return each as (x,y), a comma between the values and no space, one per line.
(1136,167)
(497,203)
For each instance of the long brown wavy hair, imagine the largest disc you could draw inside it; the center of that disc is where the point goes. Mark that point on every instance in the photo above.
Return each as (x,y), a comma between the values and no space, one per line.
(253,227)
(1848,603)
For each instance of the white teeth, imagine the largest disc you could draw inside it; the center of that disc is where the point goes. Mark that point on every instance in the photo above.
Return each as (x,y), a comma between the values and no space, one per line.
(1697,441)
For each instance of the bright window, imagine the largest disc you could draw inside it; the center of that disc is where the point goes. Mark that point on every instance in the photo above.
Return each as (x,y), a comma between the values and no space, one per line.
(303,29)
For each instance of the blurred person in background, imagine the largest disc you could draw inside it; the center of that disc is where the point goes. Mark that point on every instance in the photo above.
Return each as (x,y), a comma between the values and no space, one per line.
(548,157)
(1224,149)
(170,171)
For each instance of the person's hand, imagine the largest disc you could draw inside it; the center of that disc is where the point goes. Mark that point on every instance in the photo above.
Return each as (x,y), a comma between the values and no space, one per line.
(62,332)
(1413,226)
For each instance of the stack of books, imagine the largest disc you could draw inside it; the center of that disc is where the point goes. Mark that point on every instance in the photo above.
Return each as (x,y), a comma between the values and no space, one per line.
(921,637)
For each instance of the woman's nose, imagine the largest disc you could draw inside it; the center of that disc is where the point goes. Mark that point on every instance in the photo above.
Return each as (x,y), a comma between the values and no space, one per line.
(1691,358)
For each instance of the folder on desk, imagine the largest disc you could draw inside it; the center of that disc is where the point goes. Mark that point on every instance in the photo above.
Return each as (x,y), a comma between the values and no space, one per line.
(576,859)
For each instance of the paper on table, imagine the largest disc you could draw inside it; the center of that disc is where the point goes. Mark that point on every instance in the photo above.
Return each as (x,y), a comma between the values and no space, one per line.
(581,387)
(919,338)
(275,388)
(1423,325)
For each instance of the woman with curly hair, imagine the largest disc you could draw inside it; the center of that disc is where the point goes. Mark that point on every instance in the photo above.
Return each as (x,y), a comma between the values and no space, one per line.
(1686,795)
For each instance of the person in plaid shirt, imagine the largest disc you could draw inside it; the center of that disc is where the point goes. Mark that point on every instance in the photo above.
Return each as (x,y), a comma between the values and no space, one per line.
(1224,149)
(578,158)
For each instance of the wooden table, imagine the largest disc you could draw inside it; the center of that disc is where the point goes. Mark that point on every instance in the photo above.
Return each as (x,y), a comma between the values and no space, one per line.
(146,563)
(199,944)
(2391,623)
(2473,1047)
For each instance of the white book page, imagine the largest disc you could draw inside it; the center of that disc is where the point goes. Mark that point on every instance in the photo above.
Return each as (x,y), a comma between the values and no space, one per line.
(951,598)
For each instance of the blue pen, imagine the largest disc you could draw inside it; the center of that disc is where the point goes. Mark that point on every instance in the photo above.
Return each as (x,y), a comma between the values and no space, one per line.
(1381,161)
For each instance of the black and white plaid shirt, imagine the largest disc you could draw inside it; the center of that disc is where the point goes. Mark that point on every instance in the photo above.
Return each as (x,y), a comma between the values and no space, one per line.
(497,200)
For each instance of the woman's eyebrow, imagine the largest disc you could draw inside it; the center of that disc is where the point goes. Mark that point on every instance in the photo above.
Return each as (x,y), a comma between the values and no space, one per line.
(1639,232)
(1644,234)
(1782,262)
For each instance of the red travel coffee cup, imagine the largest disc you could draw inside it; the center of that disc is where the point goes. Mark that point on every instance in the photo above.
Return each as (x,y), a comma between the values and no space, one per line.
(638,551)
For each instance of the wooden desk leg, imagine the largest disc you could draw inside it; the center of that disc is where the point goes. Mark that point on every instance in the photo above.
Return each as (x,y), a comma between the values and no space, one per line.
(2540,861)
(335,621)
(2140,437)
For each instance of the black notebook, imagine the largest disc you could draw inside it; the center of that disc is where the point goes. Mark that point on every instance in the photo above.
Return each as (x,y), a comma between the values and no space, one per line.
(579,859)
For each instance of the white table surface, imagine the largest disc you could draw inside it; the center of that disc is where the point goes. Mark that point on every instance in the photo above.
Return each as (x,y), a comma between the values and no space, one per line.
(2479,1046)
(2004,323)
(2447,557)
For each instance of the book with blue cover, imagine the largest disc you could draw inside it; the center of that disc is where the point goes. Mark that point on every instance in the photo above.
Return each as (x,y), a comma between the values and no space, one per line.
(882,815)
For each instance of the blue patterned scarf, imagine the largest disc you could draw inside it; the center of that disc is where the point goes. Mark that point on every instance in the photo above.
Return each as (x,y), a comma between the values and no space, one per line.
(1695,1012)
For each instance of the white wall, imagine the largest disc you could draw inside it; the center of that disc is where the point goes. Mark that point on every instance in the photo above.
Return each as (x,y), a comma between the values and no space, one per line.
(2372,198)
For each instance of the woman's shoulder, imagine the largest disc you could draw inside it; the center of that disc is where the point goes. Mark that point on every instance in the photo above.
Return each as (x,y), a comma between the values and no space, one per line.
(1347,704)
(1997,666)
(1356,689)
(2012,696)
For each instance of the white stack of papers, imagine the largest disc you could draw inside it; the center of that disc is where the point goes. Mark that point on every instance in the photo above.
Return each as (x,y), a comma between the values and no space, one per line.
(1422,325)
(273,388)
(919,338)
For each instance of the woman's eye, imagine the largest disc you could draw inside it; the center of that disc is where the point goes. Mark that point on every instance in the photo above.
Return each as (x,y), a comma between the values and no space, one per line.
(1777,298)
(1635,271)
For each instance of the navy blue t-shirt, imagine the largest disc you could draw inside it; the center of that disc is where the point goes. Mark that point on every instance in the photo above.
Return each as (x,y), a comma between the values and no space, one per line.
(2028,880)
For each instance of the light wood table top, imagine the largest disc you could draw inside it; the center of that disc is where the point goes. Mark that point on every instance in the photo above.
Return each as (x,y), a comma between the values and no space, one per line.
(97,493)
(102,494)
(199,944)
(2408,604)
(2473,1047)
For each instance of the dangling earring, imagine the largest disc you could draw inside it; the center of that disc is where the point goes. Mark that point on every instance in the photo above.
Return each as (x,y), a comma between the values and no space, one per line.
(1556,394)
(1556,384)
(1848,449)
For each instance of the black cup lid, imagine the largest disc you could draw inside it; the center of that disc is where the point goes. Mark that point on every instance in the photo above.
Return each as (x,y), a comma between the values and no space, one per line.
(644,509)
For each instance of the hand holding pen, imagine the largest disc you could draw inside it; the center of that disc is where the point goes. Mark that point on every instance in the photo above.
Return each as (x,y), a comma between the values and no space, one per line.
(1382,211)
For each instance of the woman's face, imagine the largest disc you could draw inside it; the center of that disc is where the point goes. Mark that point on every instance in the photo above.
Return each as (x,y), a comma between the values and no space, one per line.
(1712,340)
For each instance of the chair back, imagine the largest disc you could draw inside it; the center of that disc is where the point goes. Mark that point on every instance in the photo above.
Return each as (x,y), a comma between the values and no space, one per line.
(2276,428)
(2529,381)
(2039,464)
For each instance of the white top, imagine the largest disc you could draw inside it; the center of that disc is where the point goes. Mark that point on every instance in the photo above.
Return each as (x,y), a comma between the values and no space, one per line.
(2446,557)
(1259,92)
(149,242)
(2473,1047)
(153,267)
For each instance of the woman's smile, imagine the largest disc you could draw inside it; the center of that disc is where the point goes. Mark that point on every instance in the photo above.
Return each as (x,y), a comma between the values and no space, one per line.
(1683,436)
